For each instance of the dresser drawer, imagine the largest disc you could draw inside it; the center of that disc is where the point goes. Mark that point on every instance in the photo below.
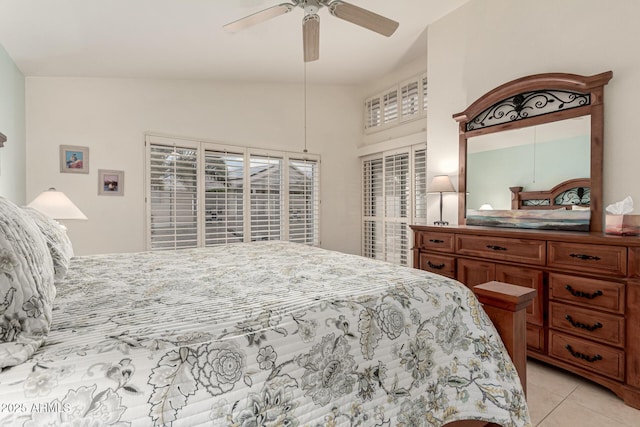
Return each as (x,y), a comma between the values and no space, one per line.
(591,324)
(595,357)
(599,259)
(440,264)
(442,242)
(503,249)
(590,293)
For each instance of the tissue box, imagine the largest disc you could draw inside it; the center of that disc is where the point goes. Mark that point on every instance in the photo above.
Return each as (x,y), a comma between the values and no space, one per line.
(628,225)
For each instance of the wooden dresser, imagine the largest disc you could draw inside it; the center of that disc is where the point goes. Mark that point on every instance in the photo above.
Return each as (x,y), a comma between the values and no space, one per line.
(586,317)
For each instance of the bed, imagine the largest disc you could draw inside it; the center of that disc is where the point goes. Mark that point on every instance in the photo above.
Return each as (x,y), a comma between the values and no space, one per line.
(265,333)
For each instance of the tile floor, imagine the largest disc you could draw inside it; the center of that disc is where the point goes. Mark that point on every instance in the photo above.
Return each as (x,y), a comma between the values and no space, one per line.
(557,398)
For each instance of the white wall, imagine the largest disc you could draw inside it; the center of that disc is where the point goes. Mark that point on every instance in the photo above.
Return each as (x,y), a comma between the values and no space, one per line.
(488,42)
(110,116)
(12,125)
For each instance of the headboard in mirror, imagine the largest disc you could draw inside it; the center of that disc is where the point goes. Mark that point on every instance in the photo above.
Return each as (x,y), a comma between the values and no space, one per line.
(543,107)
(571,194)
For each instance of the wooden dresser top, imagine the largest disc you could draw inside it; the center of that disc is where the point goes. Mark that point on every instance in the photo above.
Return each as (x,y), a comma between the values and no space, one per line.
(523,233)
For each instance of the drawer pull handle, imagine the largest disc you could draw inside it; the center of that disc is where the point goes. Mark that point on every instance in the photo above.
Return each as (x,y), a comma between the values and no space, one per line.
(435,266)
(589,328)
(582,294)
(583,356)
(436,241)
(585,257)
(496,248)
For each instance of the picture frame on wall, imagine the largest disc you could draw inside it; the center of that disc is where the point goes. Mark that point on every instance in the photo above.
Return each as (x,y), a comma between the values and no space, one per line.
(110,182)
(74,159)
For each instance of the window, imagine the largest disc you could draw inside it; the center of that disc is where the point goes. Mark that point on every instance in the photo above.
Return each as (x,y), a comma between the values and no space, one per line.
(394,189)
(424,93)
(396,201)
(390,106)
(223,197)
(304,201)
(202,194)
(410,100)
(266,197)
(420,186)
(373,200)
(403,102)
(173,197)
(372,109)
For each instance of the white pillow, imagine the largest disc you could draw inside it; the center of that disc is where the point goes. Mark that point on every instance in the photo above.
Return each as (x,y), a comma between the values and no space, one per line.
(26,285)
(55,234)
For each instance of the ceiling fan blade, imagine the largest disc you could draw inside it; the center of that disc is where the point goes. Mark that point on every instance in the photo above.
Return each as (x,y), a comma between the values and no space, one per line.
(363,18)
(259,17)
(311,37)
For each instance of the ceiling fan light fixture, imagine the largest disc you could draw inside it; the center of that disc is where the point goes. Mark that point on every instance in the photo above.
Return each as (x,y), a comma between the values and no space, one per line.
(311,37)
(311,7)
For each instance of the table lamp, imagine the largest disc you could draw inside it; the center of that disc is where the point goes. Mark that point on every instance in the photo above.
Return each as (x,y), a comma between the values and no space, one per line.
(441,184)
(56,205)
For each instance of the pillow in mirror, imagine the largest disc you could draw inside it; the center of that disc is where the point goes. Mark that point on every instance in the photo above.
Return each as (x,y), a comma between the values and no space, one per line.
(580,208)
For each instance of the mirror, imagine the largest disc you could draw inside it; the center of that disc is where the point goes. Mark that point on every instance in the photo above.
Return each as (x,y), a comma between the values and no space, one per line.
(536,105)
(536,158)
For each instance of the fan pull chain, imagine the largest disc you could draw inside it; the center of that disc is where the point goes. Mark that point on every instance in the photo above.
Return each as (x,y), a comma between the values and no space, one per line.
(305,109)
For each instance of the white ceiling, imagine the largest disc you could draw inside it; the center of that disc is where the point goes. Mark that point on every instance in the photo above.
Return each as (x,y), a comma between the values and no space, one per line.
(185,39)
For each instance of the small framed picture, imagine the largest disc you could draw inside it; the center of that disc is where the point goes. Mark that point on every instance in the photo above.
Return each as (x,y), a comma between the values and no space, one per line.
(74,159)
(110,183)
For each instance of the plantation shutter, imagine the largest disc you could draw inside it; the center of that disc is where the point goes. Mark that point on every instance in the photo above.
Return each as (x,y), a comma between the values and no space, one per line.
(424,93)
(420,186)
(396,193)
(223,197)
(173,174)
(266,197)
(410,100)
(372,204)
(206,194)
(303,201)
(390,106)
(372,111)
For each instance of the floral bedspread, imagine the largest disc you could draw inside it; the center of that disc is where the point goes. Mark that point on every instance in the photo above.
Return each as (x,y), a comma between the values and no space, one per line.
(267,333)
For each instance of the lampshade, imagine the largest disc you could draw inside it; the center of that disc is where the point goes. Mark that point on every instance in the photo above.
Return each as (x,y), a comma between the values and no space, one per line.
(441,184)
(57,205)
(486,207)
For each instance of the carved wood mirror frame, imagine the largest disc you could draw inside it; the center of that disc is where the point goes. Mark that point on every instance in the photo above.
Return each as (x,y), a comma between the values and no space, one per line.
(585,92)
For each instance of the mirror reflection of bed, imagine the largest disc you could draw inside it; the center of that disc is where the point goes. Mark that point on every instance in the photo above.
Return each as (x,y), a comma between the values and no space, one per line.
(573,194)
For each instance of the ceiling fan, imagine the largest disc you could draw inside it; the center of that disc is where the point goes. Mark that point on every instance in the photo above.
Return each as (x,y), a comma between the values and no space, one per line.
(311,21)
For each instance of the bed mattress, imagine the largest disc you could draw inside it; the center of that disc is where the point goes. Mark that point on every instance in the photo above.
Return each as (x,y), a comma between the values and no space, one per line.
(267,333)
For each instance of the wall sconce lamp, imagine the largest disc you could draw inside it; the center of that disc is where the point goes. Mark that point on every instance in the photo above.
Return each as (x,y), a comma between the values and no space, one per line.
(441,184)
(56,205)
(3,139)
